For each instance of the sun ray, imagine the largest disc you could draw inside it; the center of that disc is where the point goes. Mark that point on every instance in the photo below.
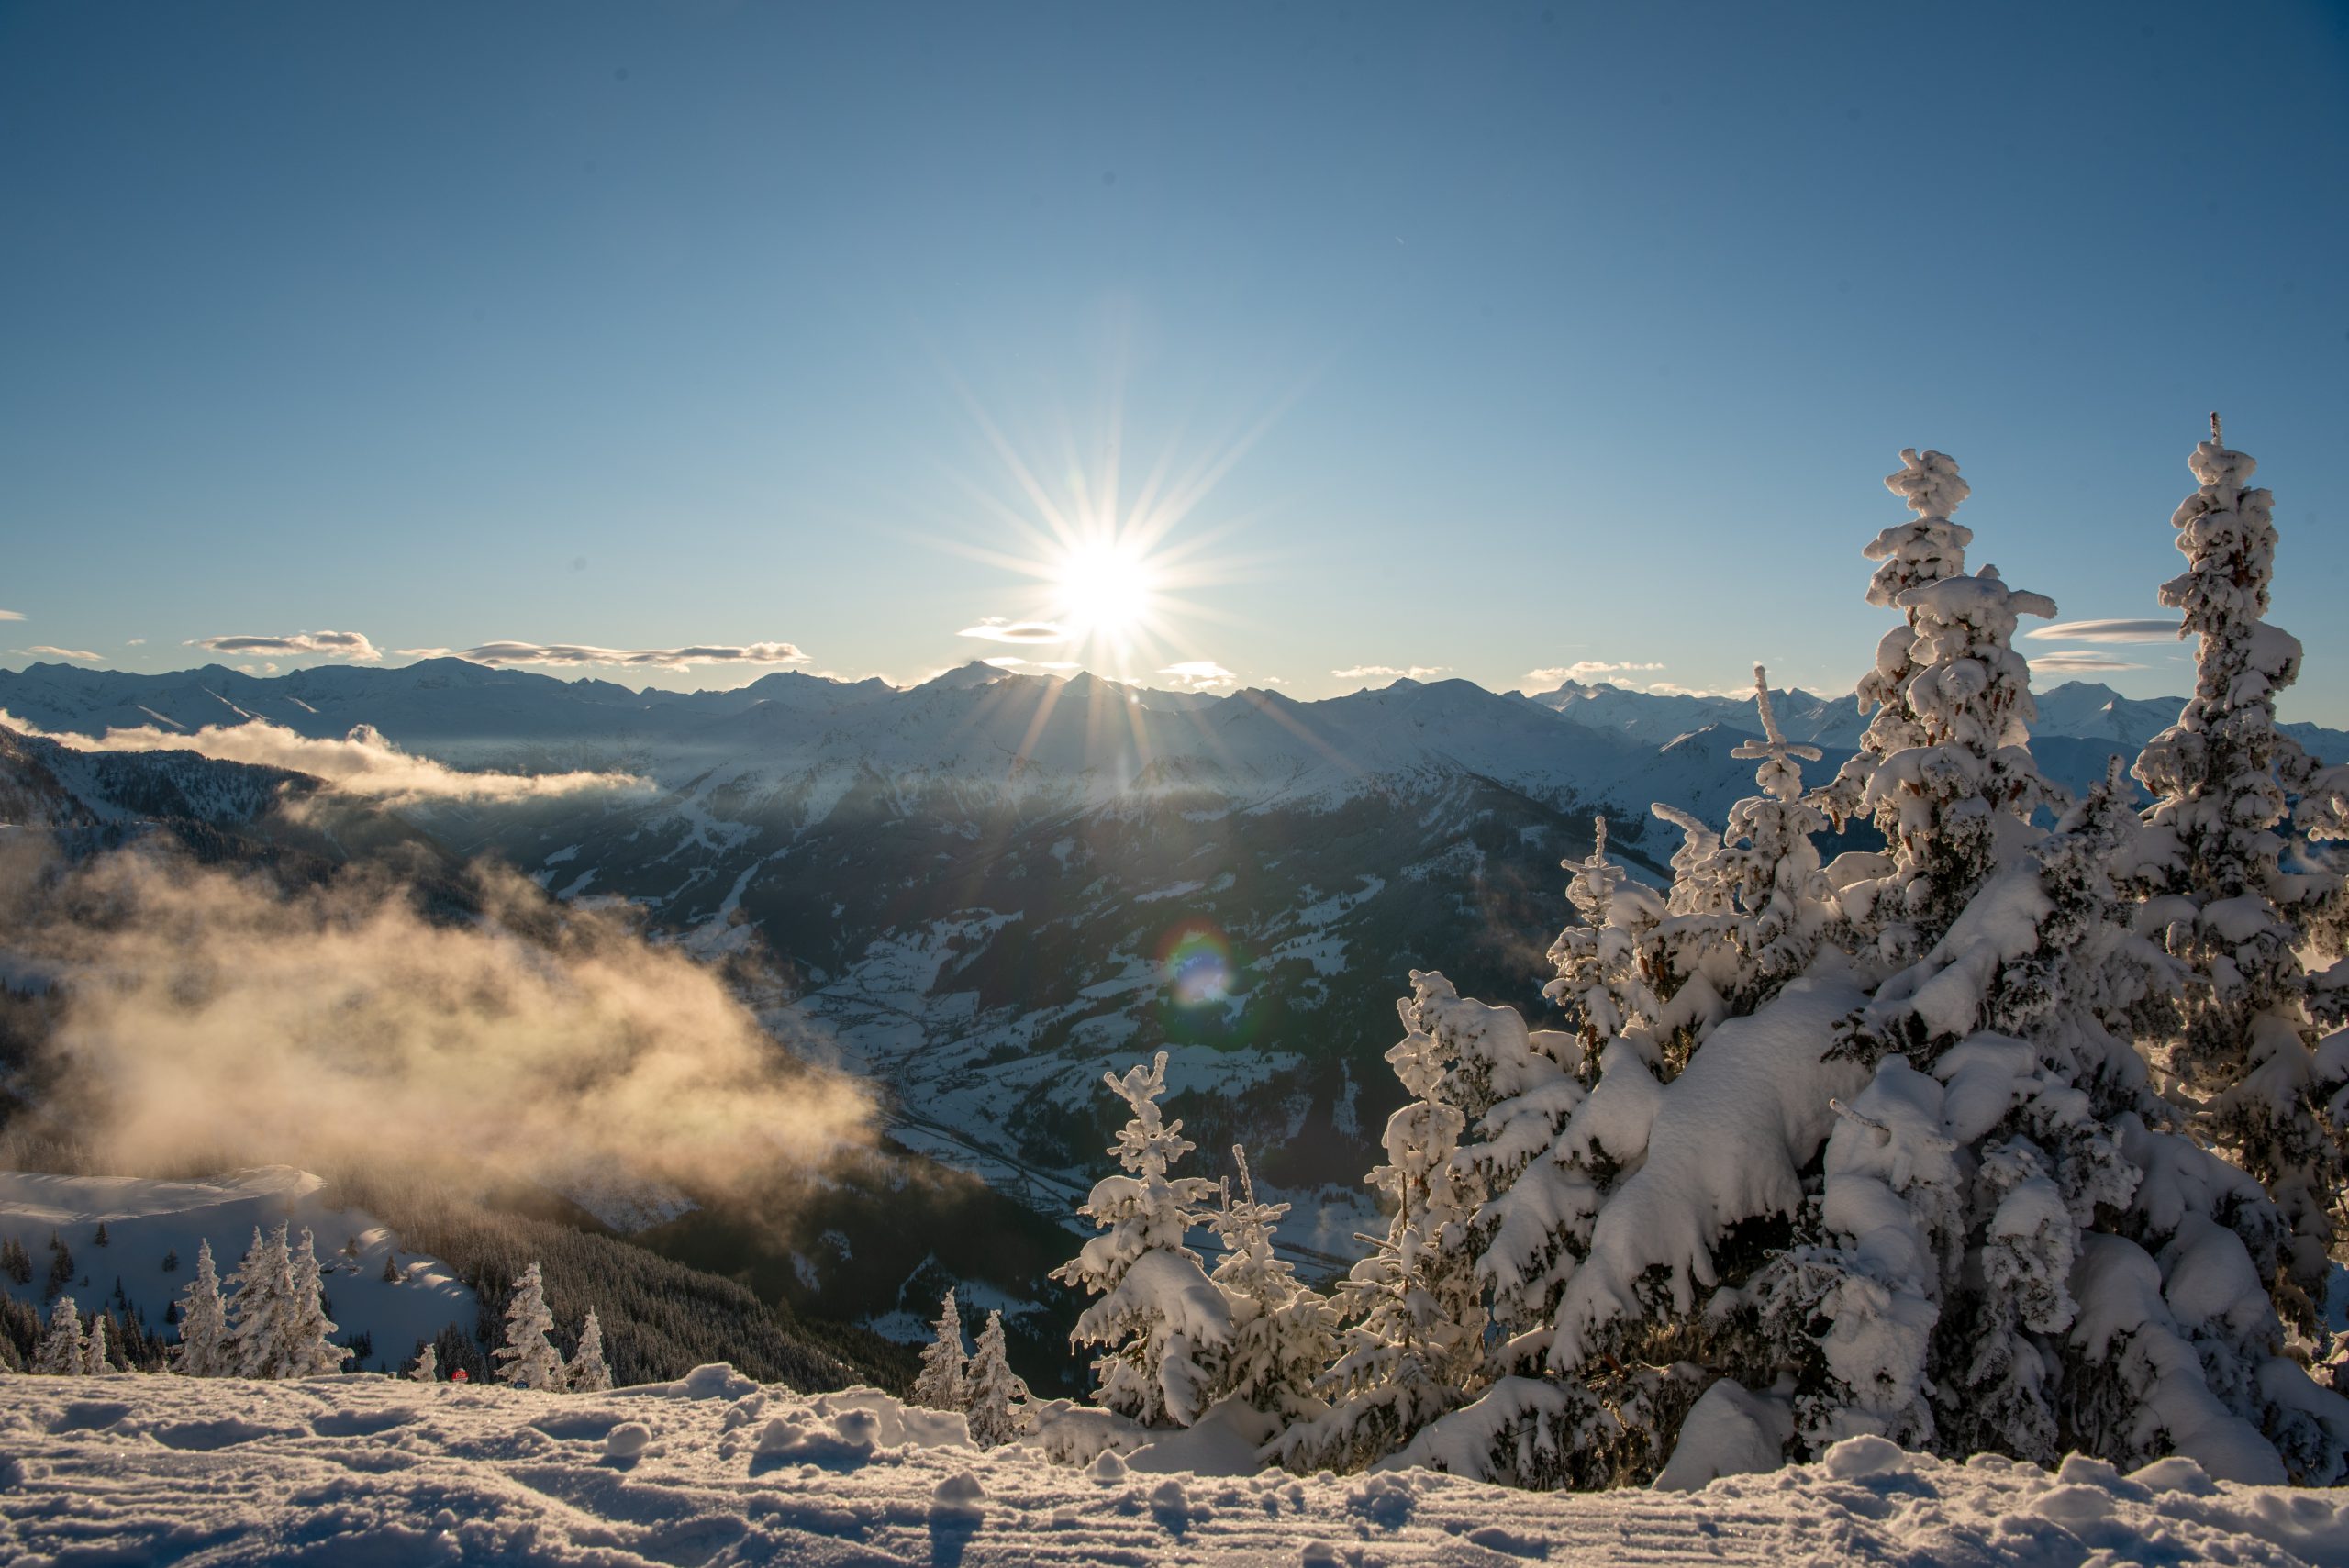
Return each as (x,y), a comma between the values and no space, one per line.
(1111,551)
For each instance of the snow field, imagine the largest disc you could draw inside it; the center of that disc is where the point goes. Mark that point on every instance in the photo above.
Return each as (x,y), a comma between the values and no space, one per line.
(356,1470)
(147,1220)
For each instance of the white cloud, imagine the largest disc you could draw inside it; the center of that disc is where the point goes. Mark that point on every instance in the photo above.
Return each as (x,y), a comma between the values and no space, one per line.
(2106,631)
(1014,662)
(330,644)
(1388,672)
(576,653)
(995,628)
(1582,670)
(12,614)
(361,763)
(45,651)
(1200,674)
(136,642)
(2081,660)
(1674,689)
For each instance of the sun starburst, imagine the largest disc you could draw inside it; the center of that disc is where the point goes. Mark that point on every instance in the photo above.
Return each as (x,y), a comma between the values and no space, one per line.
(1110,571)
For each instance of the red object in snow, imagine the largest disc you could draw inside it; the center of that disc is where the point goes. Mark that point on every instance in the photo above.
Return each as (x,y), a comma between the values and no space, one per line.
(458,1376)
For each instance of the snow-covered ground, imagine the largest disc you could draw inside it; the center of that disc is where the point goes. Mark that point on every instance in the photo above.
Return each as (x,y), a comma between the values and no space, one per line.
(149,1223)
(360,1470)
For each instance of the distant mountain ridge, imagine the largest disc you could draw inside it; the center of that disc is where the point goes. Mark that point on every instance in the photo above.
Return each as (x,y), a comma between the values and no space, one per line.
(2084,710)
(473,714)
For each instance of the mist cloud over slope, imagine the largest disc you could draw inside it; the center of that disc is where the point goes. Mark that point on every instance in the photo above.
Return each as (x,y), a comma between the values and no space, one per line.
(211,1017)
(362,762)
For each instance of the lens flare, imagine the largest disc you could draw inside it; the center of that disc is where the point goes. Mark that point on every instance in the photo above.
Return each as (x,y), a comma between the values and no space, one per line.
(1197,966)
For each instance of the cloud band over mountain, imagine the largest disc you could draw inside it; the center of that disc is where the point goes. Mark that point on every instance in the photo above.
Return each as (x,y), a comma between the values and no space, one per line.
(362,762)
(332,644)
(996,630)
(2106,631)
(579,653)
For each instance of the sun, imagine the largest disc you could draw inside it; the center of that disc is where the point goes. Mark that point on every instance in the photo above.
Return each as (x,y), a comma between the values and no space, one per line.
(1115,554)
(1103,589)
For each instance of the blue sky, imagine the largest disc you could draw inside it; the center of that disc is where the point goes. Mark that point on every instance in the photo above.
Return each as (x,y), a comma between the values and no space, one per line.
(1517,337)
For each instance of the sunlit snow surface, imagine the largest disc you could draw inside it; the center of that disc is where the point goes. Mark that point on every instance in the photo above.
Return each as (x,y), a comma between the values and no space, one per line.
(712,1470)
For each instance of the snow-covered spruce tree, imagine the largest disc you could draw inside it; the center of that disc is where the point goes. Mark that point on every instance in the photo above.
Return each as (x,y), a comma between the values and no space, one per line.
(2008,1252)
(309,1352)
(204,1322)
(939,1383)
(427,1366)
(1165,1324)
(59,1352)
(1522,1087)
(261,1310)
(94,1349)
(1413,1344)
(528,1359)
(1647,981)
(1926,549)
(2000,1246)
(1945,770)
(2244,1040)
(994,1391)
(587,1372)
(1282,1333)
(1784,905)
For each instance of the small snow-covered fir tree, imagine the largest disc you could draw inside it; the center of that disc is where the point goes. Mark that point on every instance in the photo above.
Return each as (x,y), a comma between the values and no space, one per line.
(204,1322)
(61,1352)
(587,1372)
(1927,549)
(1783,900)
(993,1392)
(426,1368)
(94,1349)
(1166,1326)
(2244,1040)
(1603,976)
(308,1350)
(528,1359)
(1944,771)
(1413,1344)
(1282,1331)
(939,1383)
(261,1310)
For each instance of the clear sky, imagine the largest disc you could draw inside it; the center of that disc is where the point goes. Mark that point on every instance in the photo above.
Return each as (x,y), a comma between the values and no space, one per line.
(1478,340)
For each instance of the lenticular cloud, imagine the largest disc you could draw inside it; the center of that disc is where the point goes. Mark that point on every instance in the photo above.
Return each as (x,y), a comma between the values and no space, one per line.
(332,644)
(505,653)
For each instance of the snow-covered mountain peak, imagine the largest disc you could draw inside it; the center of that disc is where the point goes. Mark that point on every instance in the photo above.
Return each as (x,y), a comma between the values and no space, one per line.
(977,672)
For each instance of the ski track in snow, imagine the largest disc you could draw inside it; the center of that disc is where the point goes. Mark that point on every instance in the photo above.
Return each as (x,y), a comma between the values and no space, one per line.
(359,1471)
